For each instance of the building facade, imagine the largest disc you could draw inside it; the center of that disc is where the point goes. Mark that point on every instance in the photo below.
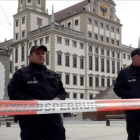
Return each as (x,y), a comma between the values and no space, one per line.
(84,44)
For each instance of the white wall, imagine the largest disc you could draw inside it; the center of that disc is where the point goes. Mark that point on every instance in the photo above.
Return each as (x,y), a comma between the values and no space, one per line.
(33,22)
(2,80)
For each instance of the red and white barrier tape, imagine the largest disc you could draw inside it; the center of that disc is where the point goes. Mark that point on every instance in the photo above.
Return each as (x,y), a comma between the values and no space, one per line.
(53,106)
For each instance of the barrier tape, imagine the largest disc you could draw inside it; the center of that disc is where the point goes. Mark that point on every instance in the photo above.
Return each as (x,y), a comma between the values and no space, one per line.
(53,106)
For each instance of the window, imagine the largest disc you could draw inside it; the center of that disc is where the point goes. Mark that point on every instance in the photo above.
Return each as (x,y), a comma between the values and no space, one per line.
(91,97)
(112,29)
(124,56)
(74,80)
(102,52)
(74,96)
(96,23)
(76,22)
(81,96)
(58,59)
(47,40)
(81,81)
(39,21)
(128,56)
(112,41)
(69,25)
(16,36)
(16,68)
(96,36)
(103,82)
(10,67)
(21,1)
(117,42)
(113,82)
(67,61)
(59,40)
(30,45)
(96,63)
(107,53)
(89,21)
(89,34)
(74,44)
(102,39)
(67,42)
(68,95)
(101,25)
(67,79)
(96,50)
(107,40)
(23,20)
(60,76)
(22,53)
(102,65)
(41,41)
(108,66)
(117,31)
(113,66)
(118,67)
(35,42)
(90,81)
(17,23)
(107,27)
(81,63)
(47,59)
(90,62)
(113,54)
(97,82)
(38,1)
(108,82)
(16,55)
(118,55)
(74,62)
(90,48)
(81,46)
(23,33)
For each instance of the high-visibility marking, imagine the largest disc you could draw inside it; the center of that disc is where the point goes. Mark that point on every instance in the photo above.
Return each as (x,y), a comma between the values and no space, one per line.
(56,106)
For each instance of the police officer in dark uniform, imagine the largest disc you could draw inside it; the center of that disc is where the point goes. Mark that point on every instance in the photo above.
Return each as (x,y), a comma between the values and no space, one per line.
(127,86)
(36,82)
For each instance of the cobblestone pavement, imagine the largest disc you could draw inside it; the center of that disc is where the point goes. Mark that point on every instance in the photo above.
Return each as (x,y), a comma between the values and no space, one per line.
(78,129)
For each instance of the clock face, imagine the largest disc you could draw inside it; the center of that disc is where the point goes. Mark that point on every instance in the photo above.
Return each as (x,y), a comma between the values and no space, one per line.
(103,10)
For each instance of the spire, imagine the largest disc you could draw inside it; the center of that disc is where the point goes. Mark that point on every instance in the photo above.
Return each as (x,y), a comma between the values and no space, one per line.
(52,16)
(139,42)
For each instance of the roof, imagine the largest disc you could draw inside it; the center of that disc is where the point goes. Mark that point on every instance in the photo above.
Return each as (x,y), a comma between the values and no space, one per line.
(107,94)
(70,11)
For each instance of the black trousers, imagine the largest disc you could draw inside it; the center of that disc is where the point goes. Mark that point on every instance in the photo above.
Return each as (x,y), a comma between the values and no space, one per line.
(133,130)
(133,124)
(42,127)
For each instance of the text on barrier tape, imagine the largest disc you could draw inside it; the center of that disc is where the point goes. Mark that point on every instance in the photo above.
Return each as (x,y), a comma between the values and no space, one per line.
(50,107)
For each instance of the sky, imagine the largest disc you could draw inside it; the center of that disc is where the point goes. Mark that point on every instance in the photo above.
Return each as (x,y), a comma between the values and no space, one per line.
(127,11)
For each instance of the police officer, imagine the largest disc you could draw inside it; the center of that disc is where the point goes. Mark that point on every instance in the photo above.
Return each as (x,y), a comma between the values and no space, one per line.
(127,86)
(36,82)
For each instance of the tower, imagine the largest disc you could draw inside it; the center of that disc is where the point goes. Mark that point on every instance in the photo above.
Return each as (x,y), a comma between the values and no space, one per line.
(30,16)
(37,5)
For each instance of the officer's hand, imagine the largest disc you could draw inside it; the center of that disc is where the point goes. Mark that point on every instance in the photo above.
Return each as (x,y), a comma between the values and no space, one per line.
(56,99)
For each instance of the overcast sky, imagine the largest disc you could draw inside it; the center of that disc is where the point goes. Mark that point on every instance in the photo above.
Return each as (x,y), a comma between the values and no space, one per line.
(128,11)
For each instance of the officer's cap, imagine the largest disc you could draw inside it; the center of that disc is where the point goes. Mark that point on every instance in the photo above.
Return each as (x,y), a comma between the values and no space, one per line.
(36,47)
(135,52)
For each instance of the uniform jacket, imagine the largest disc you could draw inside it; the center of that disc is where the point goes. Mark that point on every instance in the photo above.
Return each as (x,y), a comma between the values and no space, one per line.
(127,86)
(35,82)
(128,83)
